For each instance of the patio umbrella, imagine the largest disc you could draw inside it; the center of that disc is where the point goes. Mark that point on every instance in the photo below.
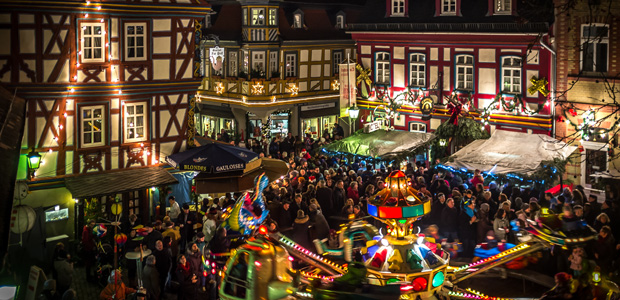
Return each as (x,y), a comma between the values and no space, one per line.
(212,158)
(273,169)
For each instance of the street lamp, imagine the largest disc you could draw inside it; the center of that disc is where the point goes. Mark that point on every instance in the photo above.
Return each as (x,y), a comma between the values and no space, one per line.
(354,112)
(34,161)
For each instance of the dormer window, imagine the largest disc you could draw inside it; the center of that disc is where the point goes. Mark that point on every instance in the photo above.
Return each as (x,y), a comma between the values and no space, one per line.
(503,7)
(340,20)
(448,7)
(298,19)
(398,8)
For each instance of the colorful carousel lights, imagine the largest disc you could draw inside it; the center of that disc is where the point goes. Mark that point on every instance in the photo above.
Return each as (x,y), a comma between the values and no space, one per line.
(312,275)
(312,254)
(495,257)
(474,295)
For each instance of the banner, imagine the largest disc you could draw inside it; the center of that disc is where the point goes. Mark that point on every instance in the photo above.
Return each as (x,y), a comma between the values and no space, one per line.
(347,84)
(216,55)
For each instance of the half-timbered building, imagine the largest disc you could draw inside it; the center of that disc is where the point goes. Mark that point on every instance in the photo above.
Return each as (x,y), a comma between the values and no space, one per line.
(476,50)
(279,66)
(107,85)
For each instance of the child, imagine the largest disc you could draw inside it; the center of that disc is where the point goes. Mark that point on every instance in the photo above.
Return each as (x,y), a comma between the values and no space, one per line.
(576,261)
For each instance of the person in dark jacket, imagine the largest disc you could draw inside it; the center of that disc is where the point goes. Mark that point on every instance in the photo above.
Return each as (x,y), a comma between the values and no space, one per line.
(484,224)
(467,228)
(284,216)
(324,197)
(320,228)
(186,220)
(150,279)
(300,233)
(338,199)
(152,237)
(163,262)
(187,278)
(604,249)
(449,218)
(220,243)
(437,207)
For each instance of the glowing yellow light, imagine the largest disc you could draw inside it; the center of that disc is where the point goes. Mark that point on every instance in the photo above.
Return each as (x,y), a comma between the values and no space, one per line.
(294,89)
(257,88)
(219,88)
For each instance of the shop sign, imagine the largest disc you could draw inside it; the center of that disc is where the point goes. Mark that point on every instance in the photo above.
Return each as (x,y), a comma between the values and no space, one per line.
(427,107)
(318,106)
(372,126)
(347,84)
(216,55)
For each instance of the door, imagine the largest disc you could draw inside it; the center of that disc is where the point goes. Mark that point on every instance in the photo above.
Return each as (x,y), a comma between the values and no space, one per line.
(596,161)
(258,63)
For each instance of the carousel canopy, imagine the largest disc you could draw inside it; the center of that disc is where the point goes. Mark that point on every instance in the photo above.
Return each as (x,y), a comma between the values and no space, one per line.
(381,143)
(510,152)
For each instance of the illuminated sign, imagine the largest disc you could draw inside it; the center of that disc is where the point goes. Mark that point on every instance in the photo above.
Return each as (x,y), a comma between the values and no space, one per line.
(372,126)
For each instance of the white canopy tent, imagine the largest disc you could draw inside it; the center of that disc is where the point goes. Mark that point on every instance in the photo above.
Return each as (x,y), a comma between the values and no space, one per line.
(510,152)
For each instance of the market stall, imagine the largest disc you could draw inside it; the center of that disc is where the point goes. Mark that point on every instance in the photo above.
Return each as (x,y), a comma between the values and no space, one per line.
(381,144)
(507,152)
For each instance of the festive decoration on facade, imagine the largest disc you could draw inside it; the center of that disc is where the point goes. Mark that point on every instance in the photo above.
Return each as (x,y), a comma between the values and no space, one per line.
(364,81)
(258,88)
(427,107)
(219,88)
(294,89)
(589,127)
(538,85)
(335,85)
(511,104)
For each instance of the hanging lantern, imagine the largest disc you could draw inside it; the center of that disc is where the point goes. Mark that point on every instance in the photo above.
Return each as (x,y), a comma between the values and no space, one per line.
(100,230)
(120,239)
(22,219)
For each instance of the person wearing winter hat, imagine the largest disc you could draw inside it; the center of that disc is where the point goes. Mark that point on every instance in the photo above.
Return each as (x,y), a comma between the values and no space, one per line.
(300,233)
(115,289)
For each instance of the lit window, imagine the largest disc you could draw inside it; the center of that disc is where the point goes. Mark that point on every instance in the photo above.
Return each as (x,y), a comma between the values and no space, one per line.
(417,127)
(291,65)
(245,16)
(383,67)
(417,70)
(448,7)
(594,47)
(93,126)
(93,42)
(273,17)
(465,72)
(511,74)
(258,16)
(503,6)
(134,121)
(398,8)
(135,37)
(298,19)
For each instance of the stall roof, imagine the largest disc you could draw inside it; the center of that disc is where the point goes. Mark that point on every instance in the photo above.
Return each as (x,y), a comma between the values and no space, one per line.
(126,180)
(510,152)
(381,143)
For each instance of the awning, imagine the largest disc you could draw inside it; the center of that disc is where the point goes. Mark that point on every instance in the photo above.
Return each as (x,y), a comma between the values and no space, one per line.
(381,143)
(510,152)
(273,169)
(114,182)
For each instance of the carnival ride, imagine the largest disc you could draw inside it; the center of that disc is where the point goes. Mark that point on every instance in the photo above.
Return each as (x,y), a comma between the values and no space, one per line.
(403,264)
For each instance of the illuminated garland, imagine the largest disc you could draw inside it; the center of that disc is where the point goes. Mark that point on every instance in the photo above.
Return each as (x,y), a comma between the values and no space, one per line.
(587,127)
(391,105)
(515,105)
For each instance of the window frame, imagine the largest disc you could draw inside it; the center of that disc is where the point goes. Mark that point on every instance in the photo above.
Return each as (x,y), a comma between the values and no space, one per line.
(464,66)
(503,11)
(273,12)
(397,5)
(340,21)
(233,63)
(287,72)
(273,59)
(449,3)
(417,63)
(419,125)
(81,119)
(83,36)
(264,19)
(336,67)
(595,41)
(145,123)
(145,43)
(298,13)
(244,16)
(384,62)
(503,68)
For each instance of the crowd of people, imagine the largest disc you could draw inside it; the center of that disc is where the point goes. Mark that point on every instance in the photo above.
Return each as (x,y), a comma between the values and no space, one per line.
(321,192)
